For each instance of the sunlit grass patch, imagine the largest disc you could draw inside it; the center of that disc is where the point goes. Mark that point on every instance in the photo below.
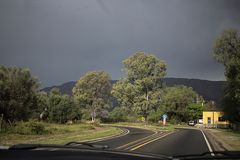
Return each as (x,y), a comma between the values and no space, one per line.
(60,134)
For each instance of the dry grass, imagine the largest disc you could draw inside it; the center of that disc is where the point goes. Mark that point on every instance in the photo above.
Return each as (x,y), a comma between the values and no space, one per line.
(230,137)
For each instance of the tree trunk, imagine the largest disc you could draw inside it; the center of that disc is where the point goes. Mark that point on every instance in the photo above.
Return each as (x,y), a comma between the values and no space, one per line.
(93,115)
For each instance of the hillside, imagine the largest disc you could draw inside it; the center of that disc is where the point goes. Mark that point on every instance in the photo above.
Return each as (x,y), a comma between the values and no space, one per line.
(210,90)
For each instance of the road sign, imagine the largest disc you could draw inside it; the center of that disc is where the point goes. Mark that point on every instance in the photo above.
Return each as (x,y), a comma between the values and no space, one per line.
(164,116)
(164,119)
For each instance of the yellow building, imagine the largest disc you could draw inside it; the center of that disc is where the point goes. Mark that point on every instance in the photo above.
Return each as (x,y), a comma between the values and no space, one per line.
(214,119)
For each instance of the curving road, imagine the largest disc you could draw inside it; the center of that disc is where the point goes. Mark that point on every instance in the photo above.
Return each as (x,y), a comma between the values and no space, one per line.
(133,135)
(181,142)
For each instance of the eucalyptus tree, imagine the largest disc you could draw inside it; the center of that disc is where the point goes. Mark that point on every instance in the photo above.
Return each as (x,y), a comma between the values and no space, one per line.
(93,91)
(140,89)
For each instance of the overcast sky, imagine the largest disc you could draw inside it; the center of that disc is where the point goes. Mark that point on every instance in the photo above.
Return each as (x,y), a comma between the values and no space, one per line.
(60,40)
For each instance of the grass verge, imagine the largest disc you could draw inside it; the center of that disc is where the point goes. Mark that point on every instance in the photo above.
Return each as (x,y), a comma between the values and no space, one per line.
(61,134)
(228,136)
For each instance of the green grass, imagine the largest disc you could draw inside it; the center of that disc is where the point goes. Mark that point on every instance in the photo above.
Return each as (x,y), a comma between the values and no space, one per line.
(61,134)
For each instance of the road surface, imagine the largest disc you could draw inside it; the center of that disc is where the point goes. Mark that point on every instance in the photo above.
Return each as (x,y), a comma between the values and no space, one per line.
(181,142)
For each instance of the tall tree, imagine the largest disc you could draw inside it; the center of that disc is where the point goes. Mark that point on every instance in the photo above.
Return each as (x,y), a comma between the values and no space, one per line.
(227,51)
(17,93)
(93,91)
(141,89)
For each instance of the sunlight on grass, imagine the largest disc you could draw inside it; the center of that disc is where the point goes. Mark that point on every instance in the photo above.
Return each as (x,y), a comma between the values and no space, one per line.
(61,134)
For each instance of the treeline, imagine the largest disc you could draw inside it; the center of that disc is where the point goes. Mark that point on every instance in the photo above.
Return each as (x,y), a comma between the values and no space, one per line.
(141,96)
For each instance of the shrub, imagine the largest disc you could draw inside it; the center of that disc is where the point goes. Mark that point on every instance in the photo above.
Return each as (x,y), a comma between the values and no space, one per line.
(154,117)
(117,115)
(37,127)
(31,127)
(175,120)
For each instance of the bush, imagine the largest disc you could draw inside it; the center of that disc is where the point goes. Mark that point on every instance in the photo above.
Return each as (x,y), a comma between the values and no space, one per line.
(155,116)
(37,127)
(31,127)
(117,115)
(175,120)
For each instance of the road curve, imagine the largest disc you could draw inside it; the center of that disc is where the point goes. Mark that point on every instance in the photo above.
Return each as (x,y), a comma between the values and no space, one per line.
(133,135)
(181,142)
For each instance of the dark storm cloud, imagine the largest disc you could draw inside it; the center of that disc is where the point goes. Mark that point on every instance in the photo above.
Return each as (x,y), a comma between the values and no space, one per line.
(59,40)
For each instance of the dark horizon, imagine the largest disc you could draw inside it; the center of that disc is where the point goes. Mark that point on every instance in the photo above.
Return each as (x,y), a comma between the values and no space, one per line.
(182,78)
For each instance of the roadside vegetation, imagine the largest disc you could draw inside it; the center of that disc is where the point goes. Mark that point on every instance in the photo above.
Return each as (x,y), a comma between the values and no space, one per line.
(52,133)
(230,137)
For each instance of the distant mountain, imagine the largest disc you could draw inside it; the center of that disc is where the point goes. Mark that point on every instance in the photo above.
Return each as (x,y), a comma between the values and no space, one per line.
(65,88)
(210,90)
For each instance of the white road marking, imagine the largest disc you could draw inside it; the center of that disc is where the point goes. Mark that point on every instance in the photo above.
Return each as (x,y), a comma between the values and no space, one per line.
(107,138)
(208,144)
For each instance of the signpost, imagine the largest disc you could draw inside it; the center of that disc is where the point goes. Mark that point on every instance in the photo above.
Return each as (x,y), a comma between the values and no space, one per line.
(164,119)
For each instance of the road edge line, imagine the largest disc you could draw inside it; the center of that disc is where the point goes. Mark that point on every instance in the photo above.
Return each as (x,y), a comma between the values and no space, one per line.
(108,137)
(208,144)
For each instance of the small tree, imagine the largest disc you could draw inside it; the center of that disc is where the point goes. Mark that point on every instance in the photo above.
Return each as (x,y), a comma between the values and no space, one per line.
(41,110)
(17,93)
(194,111)
(176,99)
(92,91)
(62,107)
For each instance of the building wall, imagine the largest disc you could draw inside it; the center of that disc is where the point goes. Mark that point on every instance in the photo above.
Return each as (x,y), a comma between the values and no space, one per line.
(214,117)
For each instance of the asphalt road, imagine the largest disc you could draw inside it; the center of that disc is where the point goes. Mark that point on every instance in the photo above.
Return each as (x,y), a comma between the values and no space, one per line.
(133,135)
(181,142)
